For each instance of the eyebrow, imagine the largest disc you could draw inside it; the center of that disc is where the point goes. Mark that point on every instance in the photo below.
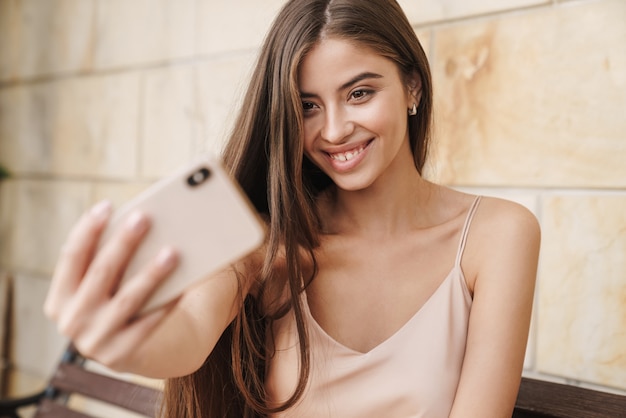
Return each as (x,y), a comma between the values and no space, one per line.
(363,76)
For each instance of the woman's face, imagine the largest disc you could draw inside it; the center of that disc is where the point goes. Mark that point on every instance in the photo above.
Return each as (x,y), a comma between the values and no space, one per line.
(355,106)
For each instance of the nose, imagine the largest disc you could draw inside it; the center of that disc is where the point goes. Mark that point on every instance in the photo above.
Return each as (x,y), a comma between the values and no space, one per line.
(337,125)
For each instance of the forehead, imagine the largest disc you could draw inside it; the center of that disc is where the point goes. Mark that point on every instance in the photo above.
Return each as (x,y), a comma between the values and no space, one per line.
(331,62)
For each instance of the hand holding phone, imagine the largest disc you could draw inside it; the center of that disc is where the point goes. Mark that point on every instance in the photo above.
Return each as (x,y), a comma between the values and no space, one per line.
(204,215)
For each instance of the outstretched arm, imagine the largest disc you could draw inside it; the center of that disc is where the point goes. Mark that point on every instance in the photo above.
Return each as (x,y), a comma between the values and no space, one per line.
(501,265)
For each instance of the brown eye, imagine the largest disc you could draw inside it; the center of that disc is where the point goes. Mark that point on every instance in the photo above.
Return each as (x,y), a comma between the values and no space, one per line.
(360,94)
(307,106)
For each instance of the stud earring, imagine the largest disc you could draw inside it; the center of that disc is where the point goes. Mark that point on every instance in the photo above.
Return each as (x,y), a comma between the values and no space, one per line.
(413,110)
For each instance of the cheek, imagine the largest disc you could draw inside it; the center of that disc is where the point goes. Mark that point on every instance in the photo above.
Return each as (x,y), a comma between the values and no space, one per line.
(307,140)
(310,131)
(387,120)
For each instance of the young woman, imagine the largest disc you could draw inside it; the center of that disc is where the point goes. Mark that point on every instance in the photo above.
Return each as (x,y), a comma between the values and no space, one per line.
(378,293)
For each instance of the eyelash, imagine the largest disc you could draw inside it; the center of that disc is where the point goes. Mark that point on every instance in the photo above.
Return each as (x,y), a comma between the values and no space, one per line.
(358,95)
(363,93)
(308,107)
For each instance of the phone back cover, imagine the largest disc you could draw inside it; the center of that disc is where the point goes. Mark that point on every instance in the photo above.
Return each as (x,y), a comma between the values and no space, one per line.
(211,225)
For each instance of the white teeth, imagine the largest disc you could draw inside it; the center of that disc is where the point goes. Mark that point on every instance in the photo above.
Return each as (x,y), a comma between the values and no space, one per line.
(347,156)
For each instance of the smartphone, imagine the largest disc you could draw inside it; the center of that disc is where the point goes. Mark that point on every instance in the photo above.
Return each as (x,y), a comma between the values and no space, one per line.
(200,211)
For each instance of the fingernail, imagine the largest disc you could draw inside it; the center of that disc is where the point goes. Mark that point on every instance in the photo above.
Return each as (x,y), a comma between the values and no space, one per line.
(166,257)
(101,210)
(137,222)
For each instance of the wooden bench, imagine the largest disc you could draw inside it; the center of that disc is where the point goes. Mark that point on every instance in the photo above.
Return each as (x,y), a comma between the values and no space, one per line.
(541,399)
(73,379)
(536,399)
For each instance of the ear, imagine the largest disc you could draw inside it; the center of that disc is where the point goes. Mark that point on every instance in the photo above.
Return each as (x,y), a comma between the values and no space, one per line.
(414,89)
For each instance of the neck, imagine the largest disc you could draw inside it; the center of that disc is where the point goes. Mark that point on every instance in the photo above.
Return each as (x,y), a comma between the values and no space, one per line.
(393,205)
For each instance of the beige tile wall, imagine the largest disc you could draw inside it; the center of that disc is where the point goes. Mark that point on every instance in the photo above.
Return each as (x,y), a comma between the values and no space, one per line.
(99,98)
(65,27)
(534,98)
(582,298)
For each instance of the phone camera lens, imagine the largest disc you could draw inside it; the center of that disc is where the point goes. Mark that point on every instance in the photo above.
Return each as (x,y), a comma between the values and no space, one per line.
(198,177)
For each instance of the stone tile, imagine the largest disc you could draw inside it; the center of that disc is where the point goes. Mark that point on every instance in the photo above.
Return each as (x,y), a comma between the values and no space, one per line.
(77,127)
(38,38)
(581,332)
(9,47)
(425,37)
(422,11)
(221,86)
(169,119)
(96,126)
(7,212)
(36,345)
(44,214)
(23,144)
(131,32)
(534,99)
(242,22)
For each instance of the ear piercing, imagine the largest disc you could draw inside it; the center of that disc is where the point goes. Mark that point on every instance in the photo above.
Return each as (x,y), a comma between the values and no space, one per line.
(413,110)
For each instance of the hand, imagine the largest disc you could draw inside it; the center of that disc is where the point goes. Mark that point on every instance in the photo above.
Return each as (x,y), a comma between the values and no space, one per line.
(84,298)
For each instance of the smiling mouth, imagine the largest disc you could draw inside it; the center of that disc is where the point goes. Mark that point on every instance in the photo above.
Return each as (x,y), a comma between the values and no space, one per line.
(348,155)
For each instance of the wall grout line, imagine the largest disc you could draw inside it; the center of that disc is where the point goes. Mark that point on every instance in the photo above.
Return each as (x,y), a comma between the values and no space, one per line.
(479,17)
(139,67)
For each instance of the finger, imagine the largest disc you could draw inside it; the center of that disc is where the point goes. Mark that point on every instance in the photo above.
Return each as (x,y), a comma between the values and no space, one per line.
(102,275)
(75,256)
(113,352)
(121,311)
(111,260)
(131,297)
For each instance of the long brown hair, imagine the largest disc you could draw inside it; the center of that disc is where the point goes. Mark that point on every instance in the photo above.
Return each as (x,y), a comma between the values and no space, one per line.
(265,155)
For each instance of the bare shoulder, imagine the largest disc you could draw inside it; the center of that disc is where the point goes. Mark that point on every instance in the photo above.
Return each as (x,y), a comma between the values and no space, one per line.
(504,235)
(500,218)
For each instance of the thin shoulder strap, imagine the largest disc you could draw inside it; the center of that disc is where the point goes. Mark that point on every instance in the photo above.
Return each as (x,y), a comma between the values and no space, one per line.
(466,227)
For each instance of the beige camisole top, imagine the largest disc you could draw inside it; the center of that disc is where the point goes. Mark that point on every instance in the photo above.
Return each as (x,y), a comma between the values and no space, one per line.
(414,373)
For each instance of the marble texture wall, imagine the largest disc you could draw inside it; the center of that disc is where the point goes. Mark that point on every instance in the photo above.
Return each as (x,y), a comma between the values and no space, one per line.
(100,98)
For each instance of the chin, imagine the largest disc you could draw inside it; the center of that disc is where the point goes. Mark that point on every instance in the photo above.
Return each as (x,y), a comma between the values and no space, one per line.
(351,185)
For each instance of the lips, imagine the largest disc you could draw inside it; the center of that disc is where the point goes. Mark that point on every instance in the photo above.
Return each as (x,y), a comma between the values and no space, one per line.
(349,154)
(348,159)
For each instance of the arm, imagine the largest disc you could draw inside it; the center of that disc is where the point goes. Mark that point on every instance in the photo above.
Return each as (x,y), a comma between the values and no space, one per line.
(501,262)
(101,320)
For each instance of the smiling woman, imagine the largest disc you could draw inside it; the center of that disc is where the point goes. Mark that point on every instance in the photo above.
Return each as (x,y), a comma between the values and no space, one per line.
(358,104)
(377,293)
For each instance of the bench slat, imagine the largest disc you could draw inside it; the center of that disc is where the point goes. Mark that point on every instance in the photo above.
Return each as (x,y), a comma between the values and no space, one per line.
(539,398)
(73,378)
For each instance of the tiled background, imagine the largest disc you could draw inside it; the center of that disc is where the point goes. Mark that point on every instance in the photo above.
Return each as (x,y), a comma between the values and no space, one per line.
(100,97)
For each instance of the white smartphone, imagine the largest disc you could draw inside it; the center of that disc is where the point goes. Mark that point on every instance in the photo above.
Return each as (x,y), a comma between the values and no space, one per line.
(200,211)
